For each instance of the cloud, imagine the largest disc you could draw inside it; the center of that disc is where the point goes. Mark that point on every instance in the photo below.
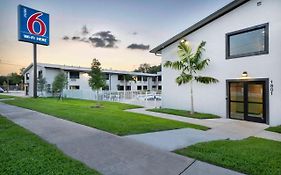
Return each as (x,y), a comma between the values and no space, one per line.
(65,38)
(103,39)
(138,46)
(134,33)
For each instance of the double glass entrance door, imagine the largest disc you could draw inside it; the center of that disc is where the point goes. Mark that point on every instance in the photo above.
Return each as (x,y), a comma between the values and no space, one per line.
(247,101)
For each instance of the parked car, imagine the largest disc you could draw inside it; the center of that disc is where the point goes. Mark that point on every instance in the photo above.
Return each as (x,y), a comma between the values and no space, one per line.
(1,90)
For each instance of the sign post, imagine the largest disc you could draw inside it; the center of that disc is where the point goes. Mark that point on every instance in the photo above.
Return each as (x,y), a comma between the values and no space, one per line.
(34,70)
(33,27)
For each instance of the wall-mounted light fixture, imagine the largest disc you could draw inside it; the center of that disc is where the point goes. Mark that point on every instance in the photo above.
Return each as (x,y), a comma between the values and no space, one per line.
(245,74)
(183,40)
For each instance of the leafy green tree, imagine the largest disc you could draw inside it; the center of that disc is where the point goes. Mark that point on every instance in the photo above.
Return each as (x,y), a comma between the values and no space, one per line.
(59,84)
(154,69)
(3,79)
(189,65)
(14,78)
(146,68)
(41,84)
(97,78)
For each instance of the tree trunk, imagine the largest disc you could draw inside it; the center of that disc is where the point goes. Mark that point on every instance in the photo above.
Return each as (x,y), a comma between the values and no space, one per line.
(98,102)
(191,98)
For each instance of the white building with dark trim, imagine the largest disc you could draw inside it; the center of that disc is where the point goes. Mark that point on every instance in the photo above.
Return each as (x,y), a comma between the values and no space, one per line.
(243,44)
(77,78)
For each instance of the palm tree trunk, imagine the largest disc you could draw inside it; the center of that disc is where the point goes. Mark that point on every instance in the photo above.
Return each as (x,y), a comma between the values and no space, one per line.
(191,98)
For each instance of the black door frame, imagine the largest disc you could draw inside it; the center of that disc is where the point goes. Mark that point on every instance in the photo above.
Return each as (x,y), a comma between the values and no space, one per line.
(266,95)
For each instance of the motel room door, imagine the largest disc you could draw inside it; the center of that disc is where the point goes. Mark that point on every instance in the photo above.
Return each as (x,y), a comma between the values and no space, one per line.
(247,100)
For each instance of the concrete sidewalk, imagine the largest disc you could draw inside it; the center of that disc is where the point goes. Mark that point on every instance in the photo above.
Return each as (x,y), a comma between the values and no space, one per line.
(107,153)
(227,128)
(175,139)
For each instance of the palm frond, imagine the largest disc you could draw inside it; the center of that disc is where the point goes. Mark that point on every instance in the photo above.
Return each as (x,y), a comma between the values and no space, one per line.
(202,64)
(199,51)
(206,80)
(184,78)
(177,65)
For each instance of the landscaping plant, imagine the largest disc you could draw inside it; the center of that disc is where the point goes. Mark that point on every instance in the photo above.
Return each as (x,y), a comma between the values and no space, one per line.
(189,65)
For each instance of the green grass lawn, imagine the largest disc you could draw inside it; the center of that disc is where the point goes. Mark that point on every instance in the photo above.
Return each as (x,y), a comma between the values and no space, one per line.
(183,113)
(111,117)
(254,156)
(274,129)
(22,152)
(5,96)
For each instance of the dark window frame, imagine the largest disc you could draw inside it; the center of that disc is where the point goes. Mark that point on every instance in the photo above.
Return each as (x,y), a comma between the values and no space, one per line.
(145,78)
(120,77)
(74,87)
(249,29)
(77,76)
(120,87)
(139,88)
(27,76)
(105,88)
(106,76)
(128,88)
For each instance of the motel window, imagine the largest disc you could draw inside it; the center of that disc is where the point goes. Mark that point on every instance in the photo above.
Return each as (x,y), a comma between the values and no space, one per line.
(106,76)
(74,87)
(159,78)
(247,42)
(105,88)
(48,87)
(144,87)
(153,87)
(121,77)
(128,88)
(139,88)
(27,76)
(138,78)
(40,73)
(153,78)
(159,87)
(120,88)
(74,75)
(144,78)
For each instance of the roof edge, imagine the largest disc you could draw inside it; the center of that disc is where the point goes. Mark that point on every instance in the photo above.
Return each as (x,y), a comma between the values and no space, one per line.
(222,11)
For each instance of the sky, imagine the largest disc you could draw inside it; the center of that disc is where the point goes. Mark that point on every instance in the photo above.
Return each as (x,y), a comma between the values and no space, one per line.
(78,29)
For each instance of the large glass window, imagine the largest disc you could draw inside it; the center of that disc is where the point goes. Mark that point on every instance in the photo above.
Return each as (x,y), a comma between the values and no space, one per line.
(247,42)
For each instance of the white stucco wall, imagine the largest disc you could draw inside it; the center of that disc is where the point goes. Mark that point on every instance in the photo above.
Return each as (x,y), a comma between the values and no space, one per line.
(212,98)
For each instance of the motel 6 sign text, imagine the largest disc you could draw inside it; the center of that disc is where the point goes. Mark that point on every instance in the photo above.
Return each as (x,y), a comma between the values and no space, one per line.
(33,26)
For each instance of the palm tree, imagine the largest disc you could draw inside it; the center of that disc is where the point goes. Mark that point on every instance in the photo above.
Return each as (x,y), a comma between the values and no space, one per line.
(189,65)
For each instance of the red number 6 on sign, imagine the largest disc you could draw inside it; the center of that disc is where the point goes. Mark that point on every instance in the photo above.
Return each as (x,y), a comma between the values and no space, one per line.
(31,21)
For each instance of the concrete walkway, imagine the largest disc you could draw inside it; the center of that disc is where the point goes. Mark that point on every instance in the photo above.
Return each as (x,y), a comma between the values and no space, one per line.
(107,153)
(220,129)
(175,139)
